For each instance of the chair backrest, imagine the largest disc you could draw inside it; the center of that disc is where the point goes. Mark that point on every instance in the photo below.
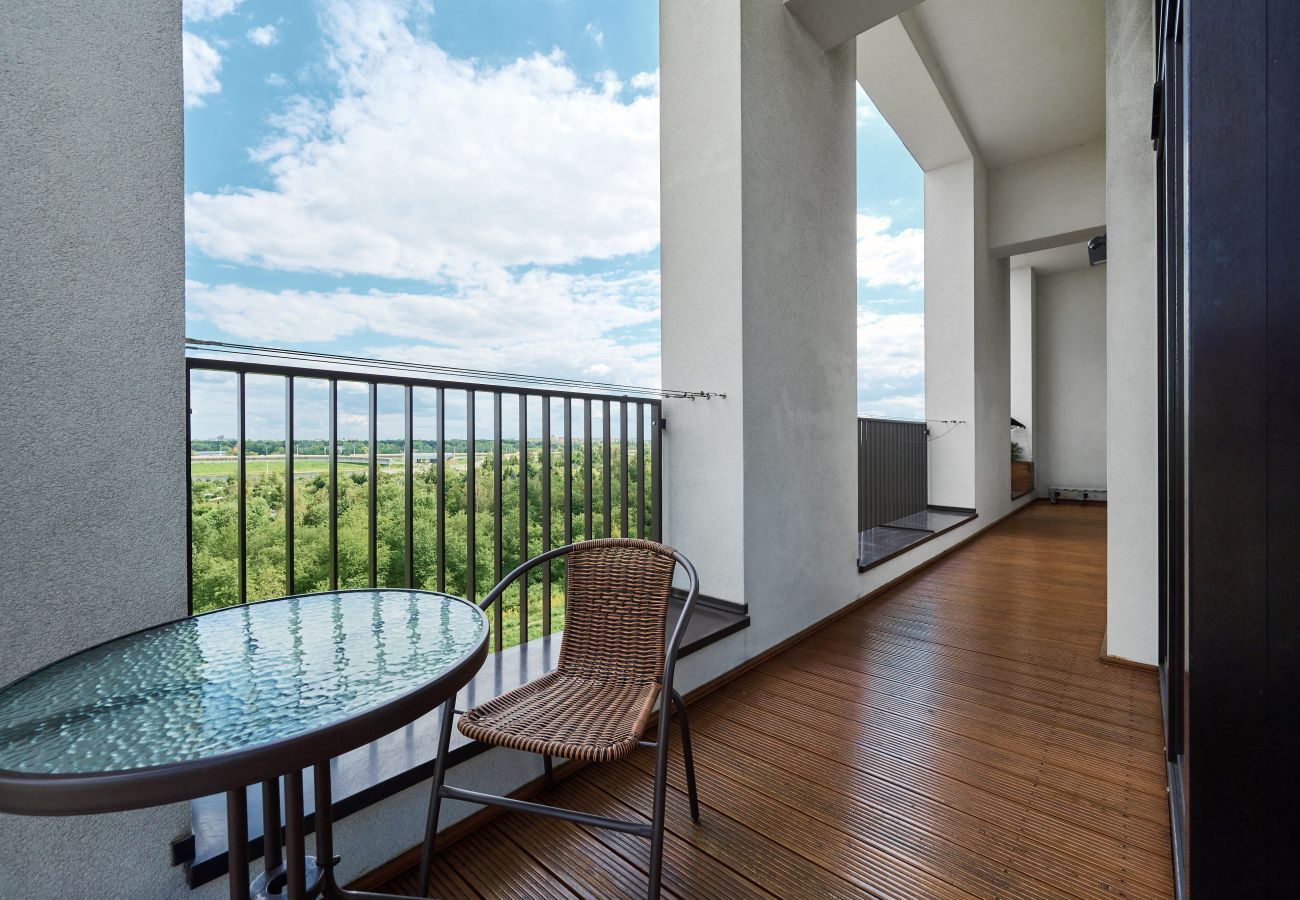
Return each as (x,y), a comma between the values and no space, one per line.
(616,610)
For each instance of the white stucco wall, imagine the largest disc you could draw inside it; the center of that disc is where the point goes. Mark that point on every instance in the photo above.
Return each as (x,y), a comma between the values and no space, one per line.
(92,283)
(992,373)
(701,264)
(790,378)
(1048,201)
(1022,357)
(1132,551)
(1070,380)
(950,331)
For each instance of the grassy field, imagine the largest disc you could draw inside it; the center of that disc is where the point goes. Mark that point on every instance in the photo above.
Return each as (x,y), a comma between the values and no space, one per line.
(205,468)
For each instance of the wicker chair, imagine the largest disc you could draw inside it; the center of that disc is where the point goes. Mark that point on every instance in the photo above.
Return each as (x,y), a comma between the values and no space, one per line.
(614,665)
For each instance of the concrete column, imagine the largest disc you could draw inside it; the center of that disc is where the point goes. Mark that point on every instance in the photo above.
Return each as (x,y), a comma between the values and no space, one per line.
(950,331)
(759,301)
(992,373)
(1132,552)
(1022,356)
(92,280)
(967,350)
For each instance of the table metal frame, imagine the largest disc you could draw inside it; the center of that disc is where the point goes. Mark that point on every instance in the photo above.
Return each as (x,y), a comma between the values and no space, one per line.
(304,877)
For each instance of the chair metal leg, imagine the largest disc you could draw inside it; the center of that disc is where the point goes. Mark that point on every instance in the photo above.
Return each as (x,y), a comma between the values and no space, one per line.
(435,798)
(550,773)
(660,796)
(686,756)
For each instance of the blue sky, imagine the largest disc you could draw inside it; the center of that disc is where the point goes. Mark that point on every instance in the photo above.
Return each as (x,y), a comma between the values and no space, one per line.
(470,183)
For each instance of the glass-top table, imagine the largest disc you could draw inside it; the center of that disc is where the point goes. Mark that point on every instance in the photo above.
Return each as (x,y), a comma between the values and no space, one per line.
(226,699)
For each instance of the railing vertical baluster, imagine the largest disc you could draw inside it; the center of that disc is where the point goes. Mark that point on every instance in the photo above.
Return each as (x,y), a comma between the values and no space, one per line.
(334,484)
(471,503)
(189,493)
(498,608)
(523,515)
(622,469)
(410,487)
(606,468)
(892,470)
(640,470)
(568,472)
(242,515)
(289,578)
(372,479)
(545,475)
(442,489)
(633,508)
(586,469)
(656,473)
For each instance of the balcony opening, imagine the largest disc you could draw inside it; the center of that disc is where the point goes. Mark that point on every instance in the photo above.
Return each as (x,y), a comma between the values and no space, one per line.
(894,512)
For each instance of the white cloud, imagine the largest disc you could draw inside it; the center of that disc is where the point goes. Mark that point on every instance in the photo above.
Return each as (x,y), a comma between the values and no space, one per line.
(199,10)
(276,80)
(595,34)
(540,322)
(646,81)
(886,259)
(866,110)
(200,63)
(264,35)
(891,364)
(436,168)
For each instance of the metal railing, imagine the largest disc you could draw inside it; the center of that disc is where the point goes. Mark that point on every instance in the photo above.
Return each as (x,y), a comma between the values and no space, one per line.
(562,485)
(893,470)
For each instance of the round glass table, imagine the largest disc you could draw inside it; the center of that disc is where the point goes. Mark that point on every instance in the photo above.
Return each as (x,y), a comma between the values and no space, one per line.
(219,701)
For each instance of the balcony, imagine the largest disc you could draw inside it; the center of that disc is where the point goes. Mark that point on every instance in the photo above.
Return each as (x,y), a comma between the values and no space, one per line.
(955,736)
(903,680)
(916,735)
(894,510)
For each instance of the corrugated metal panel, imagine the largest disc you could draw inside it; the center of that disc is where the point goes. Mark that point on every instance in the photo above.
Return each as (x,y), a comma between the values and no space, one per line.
(892,470)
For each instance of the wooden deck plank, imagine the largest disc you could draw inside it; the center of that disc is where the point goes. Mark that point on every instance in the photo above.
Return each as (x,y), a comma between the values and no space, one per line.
(957,737)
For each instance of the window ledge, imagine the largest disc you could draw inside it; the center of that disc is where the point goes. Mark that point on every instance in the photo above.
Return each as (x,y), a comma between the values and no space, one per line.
(404,758)
(884,542)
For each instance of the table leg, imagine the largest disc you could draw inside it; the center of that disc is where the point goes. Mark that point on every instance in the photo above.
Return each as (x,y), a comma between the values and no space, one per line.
(324,821)
(295,845)
(237,842)
(325,843)
(271,856)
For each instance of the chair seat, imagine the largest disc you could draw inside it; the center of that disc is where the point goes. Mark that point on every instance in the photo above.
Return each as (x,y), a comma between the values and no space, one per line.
(567,716)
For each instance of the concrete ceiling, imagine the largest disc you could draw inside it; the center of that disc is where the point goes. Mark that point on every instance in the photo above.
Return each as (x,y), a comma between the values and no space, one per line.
(1054,261)
(1028,76)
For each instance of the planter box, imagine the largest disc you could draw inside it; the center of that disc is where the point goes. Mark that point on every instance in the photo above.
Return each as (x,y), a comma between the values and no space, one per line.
(1022,476)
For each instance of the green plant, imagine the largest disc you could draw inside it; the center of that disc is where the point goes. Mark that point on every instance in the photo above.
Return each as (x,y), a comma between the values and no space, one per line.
(1017,452)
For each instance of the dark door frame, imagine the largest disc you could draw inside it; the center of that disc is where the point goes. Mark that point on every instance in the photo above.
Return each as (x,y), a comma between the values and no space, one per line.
(1229,152)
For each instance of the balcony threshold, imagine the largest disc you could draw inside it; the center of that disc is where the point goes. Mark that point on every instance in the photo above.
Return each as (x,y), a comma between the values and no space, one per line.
(884,542)
(400,760)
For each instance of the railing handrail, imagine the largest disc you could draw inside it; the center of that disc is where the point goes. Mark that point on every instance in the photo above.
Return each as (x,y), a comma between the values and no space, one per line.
(445,376)
(890,419)
(638,516)
(255,367)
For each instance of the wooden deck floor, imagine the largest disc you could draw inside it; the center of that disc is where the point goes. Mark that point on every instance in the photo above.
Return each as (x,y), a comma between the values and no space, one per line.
(957,737)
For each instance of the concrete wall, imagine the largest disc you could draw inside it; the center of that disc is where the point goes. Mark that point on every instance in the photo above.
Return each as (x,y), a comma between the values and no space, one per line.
(92,282)
(790,377)
(1070,380)
(950,331)
(1052,200)
(992,373)
(1132,551)
(701,260)
(1022,357)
